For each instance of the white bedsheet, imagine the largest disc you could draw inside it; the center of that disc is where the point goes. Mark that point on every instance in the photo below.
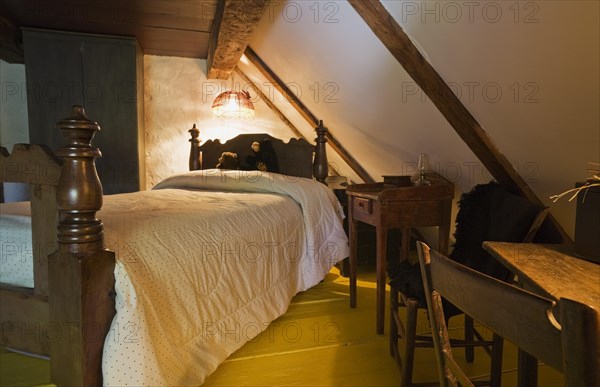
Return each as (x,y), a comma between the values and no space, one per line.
(199,273)
(16,250)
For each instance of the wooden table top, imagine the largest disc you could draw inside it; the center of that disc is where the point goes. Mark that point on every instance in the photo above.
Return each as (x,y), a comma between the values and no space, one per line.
(550,271)
(440,188)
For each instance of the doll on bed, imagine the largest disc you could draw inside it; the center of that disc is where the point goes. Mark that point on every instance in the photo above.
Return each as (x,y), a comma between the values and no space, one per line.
(228,160)
(263,157)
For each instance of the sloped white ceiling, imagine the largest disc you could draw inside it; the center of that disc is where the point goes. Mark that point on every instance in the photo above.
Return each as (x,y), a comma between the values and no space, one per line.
(527,71)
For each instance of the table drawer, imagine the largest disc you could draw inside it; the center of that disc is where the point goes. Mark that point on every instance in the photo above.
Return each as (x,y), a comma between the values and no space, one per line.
(362,206)
(422,213)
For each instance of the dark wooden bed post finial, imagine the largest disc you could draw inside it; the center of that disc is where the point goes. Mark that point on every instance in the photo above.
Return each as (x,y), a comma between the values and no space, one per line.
(320,165)
(81,273)
(195,159)
(79,193)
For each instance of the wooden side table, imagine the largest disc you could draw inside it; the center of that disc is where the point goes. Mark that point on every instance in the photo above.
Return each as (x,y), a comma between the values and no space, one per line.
(387,206)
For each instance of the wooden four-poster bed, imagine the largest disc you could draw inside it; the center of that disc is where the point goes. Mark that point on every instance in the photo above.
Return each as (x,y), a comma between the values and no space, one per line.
(99,312)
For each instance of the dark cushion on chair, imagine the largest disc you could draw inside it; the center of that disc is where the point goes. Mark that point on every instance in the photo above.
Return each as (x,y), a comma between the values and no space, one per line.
(406,277)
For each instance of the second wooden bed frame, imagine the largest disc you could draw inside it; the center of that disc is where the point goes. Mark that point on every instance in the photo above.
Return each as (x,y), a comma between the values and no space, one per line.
(77,277)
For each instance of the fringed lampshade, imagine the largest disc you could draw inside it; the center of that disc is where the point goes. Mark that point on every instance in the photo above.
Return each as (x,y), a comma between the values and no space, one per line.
(233,104)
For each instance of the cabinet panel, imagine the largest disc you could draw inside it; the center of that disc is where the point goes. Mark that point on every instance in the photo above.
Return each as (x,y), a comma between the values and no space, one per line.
(105,75)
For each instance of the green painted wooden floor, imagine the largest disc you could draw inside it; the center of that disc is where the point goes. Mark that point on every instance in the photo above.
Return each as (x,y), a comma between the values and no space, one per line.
(320,341)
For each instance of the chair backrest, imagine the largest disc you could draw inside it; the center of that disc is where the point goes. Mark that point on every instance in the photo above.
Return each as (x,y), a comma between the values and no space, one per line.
(489,212)
(524,318)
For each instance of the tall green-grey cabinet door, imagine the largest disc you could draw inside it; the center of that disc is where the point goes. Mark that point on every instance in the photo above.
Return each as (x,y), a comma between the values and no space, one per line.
(105,75)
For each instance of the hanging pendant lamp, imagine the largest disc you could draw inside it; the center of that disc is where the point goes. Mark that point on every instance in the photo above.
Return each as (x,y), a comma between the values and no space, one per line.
(233,104)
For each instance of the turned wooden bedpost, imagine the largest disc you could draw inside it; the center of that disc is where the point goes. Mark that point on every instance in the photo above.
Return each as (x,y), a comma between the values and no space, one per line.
(320,165)
(81,272)
(195,156)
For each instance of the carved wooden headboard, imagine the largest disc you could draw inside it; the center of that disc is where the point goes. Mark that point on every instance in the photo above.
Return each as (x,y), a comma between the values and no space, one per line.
(296,157)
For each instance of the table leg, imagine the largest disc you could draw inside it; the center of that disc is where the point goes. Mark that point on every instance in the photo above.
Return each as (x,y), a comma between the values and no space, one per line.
(380,267)
(353,231)
(527,365)
(443,240)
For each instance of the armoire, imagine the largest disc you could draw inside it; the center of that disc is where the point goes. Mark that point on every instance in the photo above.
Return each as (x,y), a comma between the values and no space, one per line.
(102,73)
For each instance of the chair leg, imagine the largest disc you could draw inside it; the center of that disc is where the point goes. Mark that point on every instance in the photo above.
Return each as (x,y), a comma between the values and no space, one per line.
(469,337)
(407,331)
(393,325)
(410,339)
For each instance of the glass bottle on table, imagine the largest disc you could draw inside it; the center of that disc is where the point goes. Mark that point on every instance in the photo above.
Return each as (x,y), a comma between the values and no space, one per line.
(420,178)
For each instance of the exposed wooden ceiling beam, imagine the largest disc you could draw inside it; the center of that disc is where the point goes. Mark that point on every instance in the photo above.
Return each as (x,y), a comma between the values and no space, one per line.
(11,42)
(232,28)
(391,34)
(306,113)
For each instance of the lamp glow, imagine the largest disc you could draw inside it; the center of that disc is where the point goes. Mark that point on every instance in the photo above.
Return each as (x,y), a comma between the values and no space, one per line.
(233,104)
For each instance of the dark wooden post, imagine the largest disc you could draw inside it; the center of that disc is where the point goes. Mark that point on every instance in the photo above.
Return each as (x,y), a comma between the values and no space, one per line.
(81,278)
(320,165)
(195,157)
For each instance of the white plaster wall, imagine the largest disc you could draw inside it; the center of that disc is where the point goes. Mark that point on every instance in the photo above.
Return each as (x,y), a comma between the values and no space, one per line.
(178,95)
(14,124)
(541,56)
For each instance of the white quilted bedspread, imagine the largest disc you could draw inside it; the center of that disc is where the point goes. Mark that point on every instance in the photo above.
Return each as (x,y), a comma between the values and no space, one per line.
(200,272)
(16,250)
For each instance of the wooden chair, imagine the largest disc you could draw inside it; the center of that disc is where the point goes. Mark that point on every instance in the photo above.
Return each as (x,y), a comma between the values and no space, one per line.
(482,216)
(570,344)
(407,331)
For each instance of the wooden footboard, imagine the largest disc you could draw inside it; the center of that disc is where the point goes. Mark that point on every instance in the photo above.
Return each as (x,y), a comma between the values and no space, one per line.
(68,313)
(24,312)
(37,166)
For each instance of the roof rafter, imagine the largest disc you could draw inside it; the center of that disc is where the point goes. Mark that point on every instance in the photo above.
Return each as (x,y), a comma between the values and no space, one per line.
(234,22)
(275,110)
(267,101)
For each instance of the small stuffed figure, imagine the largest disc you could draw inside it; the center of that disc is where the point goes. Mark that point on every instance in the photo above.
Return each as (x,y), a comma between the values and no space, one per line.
(263,157)
(228,160)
